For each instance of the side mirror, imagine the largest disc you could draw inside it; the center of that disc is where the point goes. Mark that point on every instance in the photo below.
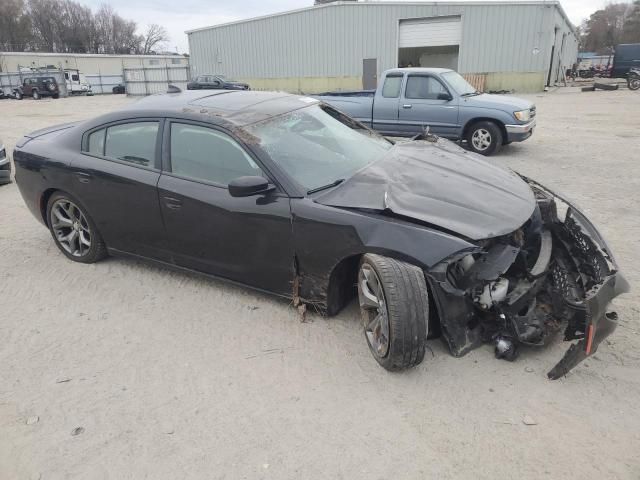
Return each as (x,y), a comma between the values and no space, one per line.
(445,96)
(248,186)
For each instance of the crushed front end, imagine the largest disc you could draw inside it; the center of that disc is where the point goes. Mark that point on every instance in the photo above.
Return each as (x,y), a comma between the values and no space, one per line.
(555,272)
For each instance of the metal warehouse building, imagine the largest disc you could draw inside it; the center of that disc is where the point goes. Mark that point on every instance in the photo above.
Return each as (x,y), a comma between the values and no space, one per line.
(519,46)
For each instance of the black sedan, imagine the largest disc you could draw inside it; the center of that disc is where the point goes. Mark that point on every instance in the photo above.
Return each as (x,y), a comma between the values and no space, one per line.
(287,195)
(215,82)
(5,166)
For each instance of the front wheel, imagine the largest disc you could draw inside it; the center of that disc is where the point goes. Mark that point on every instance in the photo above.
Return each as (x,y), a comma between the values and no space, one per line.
(394,305)
(484,138)
(633,82)
(36,95)
(73,230)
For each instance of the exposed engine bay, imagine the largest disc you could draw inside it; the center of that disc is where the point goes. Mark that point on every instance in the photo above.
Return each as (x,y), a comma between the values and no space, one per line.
(523,288)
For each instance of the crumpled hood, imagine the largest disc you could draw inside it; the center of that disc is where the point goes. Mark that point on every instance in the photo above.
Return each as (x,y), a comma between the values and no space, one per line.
(501,102)
(441,184)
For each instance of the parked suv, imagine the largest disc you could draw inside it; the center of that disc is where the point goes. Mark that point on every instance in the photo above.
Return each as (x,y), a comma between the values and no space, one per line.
(214,82)
(38,87)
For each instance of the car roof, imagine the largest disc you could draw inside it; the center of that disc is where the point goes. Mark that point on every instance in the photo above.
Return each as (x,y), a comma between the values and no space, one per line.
(419,70)
(239,107)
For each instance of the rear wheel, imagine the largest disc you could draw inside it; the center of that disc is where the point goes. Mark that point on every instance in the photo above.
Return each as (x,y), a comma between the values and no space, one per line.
(36,95)
(73,230)
(394,305)
(633,82)
(484,138)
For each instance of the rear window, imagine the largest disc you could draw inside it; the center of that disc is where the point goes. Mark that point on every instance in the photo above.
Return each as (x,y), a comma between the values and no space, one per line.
(128,142)
(391,87)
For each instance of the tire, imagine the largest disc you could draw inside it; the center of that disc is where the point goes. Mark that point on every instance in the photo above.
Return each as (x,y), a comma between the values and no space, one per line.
(589,89)
(605,86)
(64,206)
(394,305)
(55,95)
(484,138)
(18,96)
(633,82)
(36,95)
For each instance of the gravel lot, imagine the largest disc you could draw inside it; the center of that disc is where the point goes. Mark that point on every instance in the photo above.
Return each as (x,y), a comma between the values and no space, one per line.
(171,375)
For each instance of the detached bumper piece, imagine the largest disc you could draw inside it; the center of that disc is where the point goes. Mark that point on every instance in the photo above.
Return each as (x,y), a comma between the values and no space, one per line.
(521,289)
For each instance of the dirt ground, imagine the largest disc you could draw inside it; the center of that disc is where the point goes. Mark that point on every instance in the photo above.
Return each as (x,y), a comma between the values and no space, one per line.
(171,375)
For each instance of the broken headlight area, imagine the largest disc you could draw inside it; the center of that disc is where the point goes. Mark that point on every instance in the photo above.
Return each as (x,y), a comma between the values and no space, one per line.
(554,273)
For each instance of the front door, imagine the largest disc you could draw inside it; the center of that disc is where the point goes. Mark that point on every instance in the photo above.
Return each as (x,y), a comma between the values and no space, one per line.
(369,73)
(424,103)
(248,239)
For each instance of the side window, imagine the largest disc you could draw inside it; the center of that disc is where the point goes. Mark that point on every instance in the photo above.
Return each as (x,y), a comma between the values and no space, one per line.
(132,142)
(205,154)
(391,87)
(423,87)
(96,142)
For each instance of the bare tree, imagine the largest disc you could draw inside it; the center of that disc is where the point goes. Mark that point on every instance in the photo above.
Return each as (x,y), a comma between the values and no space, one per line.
(15,27)
(156,35)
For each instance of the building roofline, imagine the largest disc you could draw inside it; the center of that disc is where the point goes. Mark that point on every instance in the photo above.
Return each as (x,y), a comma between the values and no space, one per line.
(84,55)
(555,3)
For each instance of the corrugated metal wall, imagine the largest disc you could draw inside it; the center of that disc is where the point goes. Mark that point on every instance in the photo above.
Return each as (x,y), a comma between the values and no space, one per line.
(332,40)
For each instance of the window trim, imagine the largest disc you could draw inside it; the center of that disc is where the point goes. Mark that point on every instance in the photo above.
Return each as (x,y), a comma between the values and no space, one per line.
(156,167)
(166,153)
(404,93)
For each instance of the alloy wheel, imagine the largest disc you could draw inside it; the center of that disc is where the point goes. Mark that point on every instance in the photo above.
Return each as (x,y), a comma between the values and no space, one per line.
(481,139)
(373,308)
(70,227)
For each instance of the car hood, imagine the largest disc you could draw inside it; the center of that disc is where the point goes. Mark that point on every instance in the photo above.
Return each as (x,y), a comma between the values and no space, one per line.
(502,102)
(442,185)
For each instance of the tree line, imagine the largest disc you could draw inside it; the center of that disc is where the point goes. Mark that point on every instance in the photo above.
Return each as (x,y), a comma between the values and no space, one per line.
(614,24)
(66,26)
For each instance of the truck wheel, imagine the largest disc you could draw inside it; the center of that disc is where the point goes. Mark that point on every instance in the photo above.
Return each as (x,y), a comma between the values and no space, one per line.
(484,138)
(36,95)
(55,95)
(394,304)
(633,82)
(18,96)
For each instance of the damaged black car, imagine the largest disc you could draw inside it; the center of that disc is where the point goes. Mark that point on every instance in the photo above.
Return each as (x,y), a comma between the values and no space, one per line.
(287,195)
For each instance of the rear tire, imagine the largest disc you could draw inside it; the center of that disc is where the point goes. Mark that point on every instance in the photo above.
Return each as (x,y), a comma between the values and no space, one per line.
(73,230)
(484,138)
(36,95)
(633,82)
(56,95)
(394,305)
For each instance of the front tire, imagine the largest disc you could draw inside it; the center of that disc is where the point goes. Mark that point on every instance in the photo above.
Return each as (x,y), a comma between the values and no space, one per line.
(73,230)
(36,95)
(633,82)
(394,305)
(484,138)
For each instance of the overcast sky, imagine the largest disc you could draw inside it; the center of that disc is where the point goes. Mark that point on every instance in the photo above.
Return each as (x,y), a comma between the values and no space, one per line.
(180,15)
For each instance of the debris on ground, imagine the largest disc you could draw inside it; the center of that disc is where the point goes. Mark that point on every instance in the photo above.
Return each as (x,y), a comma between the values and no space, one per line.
(32,420)
(77,431)
(527,420)
(63,380)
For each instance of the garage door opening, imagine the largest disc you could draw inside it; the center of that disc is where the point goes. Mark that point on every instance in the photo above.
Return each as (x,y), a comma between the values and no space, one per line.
(435,57)
(430,42)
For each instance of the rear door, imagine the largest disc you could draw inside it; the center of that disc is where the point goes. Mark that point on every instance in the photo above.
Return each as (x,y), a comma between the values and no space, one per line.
(421,106)
(248,239)
(386,103)
(115,178)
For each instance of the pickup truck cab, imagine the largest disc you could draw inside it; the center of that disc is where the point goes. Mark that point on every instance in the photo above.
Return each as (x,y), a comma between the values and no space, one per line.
(409,99)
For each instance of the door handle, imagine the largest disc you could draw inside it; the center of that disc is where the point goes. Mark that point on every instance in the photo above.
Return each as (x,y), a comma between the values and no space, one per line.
(407,105)
(83,177)
(173,203)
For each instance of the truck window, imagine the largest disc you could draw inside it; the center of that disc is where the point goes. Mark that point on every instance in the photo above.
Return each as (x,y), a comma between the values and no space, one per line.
(391,87)
(423,87)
